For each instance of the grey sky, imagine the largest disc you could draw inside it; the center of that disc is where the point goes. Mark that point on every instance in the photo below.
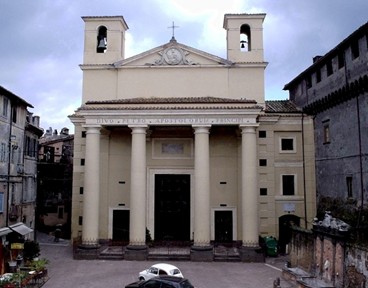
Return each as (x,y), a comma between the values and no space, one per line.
(42,40)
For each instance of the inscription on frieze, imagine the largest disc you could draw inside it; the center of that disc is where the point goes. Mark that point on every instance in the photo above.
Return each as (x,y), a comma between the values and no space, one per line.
(171,121)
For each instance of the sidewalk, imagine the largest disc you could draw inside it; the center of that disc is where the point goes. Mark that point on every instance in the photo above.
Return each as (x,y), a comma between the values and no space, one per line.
(48,239)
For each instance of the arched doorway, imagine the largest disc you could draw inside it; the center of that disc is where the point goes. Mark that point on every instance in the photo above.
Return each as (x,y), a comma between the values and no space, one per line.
(285,223)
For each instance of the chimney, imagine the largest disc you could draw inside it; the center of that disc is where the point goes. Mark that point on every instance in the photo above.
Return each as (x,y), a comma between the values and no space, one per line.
(316,58)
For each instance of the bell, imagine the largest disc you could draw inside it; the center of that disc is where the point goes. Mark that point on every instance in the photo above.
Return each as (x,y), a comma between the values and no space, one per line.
(101,45)
(242,43)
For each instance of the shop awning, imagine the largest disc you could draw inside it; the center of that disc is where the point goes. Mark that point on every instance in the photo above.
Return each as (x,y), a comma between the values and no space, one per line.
(21,228)
(4,231)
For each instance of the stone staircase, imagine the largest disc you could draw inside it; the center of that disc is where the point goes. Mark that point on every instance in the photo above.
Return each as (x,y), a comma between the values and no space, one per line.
(162,253)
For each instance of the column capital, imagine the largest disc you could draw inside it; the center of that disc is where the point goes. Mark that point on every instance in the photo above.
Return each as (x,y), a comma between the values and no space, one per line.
(248,128)
(92,128)
(138,129)
(201,129)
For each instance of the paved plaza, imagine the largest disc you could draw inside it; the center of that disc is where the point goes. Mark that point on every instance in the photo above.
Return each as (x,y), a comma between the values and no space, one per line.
(64,272)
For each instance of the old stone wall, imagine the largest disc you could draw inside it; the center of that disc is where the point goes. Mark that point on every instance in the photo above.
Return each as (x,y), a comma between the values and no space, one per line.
(302,249)
(356,265)
(329,258)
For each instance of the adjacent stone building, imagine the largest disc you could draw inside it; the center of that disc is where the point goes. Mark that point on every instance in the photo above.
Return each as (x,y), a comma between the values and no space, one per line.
(55,173)
(182,144)
(334,89)
(19,134)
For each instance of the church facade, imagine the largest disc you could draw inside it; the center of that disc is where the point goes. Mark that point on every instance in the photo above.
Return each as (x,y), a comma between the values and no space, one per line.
(182,144)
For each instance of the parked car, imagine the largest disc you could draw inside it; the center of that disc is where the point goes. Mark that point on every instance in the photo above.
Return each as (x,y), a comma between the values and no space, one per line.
(160,269)
(162,281)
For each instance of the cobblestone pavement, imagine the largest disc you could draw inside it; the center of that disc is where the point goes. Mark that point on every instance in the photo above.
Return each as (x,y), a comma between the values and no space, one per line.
(64,271)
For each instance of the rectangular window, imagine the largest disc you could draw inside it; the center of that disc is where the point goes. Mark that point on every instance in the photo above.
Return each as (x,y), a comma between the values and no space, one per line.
(82,162)
(1,202)
(318,75)
(329,68)
(287,144)
(262,162)
(341,59)
(288,185)
(84,134)
(262,134)
(5,106)
(3,152)
(349,186)
(14,114)
(309,81)
(81,190)
(263,191)
(355,49)
(326,133)
(14,154)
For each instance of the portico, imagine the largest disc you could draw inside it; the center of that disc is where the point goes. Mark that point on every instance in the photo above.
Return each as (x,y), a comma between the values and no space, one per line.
(141,183)
(176,143)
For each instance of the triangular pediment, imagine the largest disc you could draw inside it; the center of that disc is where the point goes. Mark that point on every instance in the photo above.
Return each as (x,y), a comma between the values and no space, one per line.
(173,54)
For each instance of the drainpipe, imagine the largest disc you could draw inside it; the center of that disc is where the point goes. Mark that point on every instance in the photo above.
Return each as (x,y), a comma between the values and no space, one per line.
(360,163)
(304,182)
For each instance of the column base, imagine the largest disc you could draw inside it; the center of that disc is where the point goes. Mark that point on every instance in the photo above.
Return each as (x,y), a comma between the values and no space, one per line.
(251,254)
(136,252)
(89,246)
(201,253)
(87,251)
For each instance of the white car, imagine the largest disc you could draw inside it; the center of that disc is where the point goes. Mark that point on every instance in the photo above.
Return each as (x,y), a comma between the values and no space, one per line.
(160,269)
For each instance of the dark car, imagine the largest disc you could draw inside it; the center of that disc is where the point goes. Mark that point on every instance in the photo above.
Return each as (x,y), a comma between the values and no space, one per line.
(162,282)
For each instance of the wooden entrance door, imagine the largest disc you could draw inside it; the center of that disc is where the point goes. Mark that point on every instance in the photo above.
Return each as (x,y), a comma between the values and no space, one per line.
(223,226)
(172,207)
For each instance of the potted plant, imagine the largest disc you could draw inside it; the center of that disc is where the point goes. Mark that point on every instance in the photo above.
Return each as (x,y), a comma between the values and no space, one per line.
(39,265)
(31,250)
(7,281)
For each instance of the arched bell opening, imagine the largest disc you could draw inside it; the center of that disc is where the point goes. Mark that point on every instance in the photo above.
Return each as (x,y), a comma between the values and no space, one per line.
(245,40)
(102,39)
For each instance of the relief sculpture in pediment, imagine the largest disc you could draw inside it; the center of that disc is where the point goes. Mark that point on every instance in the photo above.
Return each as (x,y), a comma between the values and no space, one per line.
(173,56)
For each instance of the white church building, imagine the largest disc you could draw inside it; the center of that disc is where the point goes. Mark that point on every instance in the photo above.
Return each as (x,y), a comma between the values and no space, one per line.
(182,144)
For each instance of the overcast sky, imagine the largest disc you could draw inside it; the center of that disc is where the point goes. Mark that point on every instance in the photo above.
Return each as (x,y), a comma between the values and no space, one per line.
(42,40)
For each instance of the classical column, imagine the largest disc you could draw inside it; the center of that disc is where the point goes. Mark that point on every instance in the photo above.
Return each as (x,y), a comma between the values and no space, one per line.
(201,199)
(91,188)
(249,194)
(137,234)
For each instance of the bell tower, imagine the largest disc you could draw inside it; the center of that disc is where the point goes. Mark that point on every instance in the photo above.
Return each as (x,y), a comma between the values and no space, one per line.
(104,39)
(244,37)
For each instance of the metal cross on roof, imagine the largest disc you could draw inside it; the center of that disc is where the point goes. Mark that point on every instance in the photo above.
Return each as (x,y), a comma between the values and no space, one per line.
(173,29)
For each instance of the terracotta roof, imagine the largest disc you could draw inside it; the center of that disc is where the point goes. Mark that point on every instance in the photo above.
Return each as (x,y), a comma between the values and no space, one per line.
(183,103)
(181,100)
(281,106)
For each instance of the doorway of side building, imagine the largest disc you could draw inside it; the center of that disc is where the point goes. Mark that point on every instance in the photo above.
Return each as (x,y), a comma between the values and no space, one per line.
(120,225)
(223,226)
(172,207)
(285,223)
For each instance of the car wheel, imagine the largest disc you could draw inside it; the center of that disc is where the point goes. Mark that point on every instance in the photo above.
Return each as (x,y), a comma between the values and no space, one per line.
(141,278)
